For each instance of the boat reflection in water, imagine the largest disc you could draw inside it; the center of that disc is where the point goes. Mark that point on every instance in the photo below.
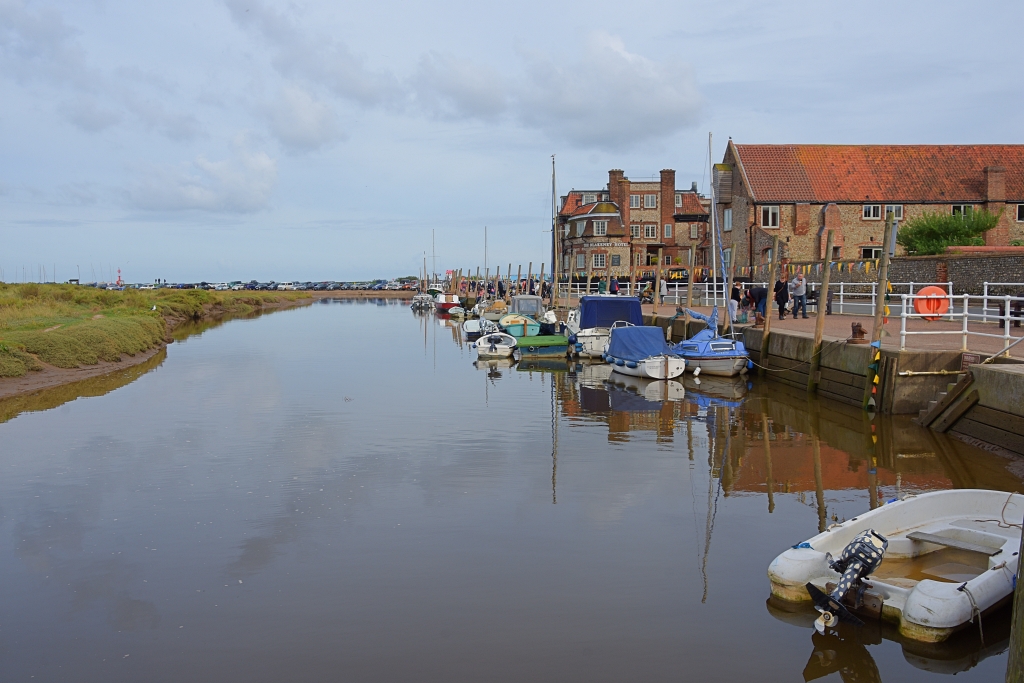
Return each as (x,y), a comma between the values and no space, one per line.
(845,650)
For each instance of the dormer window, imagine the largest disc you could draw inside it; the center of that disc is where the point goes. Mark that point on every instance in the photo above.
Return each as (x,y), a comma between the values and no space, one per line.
(600,228)
(679,200)
(589,198)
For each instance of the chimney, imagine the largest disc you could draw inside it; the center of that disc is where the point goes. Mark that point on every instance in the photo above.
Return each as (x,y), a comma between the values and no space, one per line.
(668,201)
(995,184)
(693,187)
(615,186)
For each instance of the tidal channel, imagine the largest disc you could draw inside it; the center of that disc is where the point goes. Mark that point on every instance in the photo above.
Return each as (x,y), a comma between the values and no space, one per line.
(339,492)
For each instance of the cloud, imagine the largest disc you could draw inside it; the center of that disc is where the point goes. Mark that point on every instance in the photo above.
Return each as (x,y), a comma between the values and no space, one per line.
(318,59)
(456,88)
(242,183)
(87,115)
(301,122)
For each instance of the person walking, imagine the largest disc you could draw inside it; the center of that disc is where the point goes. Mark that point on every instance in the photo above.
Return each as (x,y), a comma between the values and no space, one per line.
(782,294)
(798,289)
(734,301)
(614,286)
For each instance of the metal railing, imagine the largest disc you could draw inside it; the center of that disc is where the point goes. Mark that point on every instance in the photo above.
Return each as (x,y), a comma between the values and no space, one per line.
(985,308)
(1011,315)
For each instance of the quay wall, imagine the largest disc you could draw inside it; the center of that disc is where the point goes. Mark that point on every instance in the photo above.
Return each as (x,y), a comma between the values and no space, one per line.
(996,418)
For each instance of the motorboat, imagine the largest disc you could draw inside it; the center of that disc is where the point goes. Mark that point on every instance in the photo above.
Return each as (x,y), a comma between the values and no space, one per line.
(944,559)
(495,345)
(711,354)
(435,288)
(528,305)
(641,351)
(491,310)
(589,323)
(651,390)
(519,325)
(445,302)
(475,328)
(457,312)
(548,345)
(422,302)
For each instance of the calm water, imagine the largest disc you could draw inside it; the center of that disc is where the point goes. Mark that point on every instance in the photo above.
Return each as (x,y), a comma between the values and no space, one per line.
(337,493)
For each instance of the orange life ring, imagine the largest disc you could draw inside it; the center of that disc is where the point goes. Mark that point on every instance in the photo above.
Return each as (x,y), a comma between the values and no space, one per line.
(932,302)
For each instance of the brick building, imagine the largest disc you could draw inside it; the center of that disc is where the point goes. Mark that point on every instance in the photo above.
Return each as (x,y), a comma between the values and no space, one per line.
(798,192)
(623,225)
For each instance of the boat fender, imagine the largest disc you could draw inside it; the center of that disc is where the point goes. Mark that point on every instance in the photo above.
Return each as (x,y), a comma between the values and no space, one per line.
(572,340)
(630,364)
(579,347)
(619,362)
(805,544)
(750,364)
(531,348)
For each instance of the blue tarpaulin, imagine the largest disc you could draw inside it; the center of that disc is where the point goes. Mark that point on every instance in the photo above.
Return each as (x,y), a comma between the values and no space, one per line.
(637,343)
(602,311)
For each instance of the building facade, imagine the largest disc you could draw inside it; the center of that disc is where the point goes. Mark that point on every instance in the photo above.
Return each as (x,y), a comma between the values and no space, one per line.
(619,230)
(799,192)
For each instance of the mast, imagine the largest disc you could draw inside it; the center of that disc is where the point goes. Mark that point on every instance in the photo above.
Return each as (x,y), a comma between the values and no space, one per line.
(554,236)
(714,283)
(433,256)
(485,248)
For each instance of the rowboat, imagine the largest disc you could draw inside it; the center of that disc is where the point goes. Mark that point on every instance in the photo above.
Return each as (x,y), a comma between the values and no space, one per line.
(589,323)
(946,558)
(495,345)
(519,325)
(642,352)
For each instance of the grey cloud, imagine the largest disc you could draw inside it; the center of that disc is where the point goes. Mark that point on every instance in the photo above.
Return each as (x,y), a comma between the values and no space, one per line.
(316,58)
(301,122)
(242,183)
(88,115)
(455,87)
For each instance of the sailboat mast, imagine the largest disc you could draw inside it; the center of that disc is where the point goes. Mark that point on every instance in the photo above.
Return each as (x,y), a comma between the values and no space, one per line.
(714,249)
(554,235)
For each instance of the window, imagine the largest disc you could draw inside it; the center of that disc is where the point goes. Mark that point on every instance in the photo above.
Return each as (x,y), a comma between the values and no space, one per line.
(565,262)
(600,228)
(580,227)
(650,201)
(694,231)
(589,198)
(726,258)
(679,200)
(616,260)
(651,232)
(639,259)
(727,220)
(634,231)
(766,255)
(872,212)
(896,210)
(769,216)
(634,201)
(565,230)
(581,261)
(962,209)
(604,197)
(668,230)
(836,253)
(599,260)
(1020,213)
(870,252)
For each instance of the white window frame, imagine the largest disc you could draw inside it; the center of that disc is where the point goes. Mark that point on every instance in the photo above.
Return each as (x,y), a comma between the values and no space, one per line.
(871,212)
(566,229)
(694,231)
(600,228)
(581,261)
(961,209)
(650,201)
(770,216)
(566,260)
(581,226)
(876,252)
(726,220)
(589,198)
(600,261)
(667,231)
(634,201)
(634,231)
(650,232)
(679,199)
(896,209)
(726,258)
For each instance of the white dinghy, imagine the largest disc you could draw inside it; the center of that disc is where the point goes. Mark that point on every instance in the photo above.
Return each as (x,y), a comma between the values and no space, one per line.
(495,345)
(931,563)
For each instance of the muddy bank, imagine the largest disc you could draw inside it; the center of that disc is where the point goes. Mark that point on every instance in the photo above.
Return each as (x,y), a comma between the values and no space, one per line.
(50,376)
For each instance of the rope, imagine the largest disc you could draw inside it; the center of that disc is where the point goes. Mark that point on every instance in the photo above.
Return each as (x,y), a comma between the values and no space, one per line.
(974,610)
(1003,524)
(802,363)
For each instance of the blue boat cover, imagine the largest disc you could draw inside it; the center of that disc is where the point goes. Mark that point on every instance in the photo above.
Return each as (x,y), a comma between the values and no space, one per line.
(636,343)
(602,311)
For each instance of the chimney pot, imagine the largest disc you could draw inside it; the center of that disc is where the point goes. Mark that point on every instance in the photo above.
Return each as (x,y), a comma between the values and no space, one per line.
(693,187)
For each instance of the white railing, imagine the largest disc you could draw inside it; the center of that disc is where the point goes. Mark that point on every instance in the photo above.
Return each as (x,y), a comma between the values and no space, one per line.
(985,308)
(1012,307)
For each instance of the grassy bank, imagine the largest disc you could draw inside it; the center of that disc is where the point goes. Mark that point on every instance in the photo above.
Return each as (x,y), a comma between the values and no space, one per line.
(69,326)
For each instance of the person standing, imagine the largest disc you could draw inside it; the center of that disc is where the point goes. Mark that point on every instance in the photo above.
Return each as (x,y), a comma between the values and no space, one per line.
(758,297)
(664,289)
(798,288)
(782,294)
(734,301)
(614,287)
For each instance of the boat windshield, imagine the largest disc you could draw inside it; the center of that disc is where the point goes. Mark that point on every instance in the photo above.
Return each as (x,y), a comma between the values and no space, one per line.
(527,305)
(723,346)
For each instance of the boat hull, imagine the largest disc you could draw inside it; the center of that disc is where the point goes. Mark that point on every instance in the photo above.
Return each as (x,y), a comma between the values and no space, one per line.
(591,343)
(925,609)
(717,365)
(543,347)
(656,367)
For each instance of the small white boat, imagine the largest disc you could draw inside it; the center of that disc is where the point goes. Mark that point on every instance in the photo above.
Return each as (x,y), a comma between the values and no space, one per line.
(495,345)
(708,353)
(422,302)
(589,324)
(642,352)
(475,328)
(947,557)
(457,312)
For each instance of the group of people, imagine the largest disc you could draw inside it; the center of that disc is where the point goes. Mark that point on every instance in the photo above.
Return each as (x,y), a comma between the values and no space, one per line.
(756,298)
(511,288)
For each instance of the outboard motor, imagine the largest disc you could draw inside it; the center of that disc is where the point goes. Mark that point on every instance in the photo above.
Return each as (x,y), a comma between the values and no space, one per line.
(494,343)
(857,561)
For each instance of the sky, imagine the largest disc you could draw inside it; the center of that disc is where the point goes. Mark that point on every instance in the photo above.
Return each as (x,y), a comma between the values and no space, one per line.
(247,139)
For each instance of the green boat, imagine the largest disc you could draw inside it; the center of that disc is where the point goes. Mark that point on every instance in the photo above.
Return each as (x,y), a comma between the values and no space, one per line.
(541,346)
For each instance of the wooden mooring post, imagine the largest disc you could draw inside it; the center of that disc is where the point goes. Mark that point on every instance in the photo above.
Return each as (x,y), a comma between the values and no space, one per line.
(881,310)
(819,321)
(762,366)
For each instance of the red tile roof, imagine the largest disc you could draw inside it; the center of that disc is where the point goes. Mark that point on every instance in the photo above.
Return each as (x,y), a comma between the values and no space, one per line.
(691,205)
(878,173)
(571,203)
